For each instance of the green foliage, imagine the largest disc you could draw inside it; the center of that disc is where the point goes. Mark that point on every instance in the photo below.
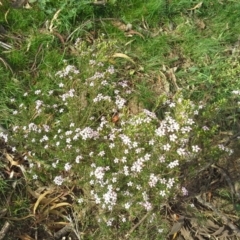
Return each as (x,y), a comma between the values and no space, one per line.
(116,127)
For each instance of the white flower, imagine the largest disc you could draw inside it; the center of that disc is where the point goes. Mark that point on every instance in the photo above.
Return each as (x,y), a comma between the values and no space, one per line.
(147,157)
(195,112)
(160,131)
(109,222)
(153,180)
(205,128)
(127,205)
(162,193)
(147,205)
(181,151)
(172,137)
(186,129)
(166,147)
(120,102)
(161,159)
(126,140)
(172,105)
(184,191)
(46,128)
(78,158)
(151,142)
(111,145)
(126,151)
(67,167)
(58,180)
(101,154)
(196,148)
(173,164)
(170,183)
(37,92)
(99,173)
(236,92)
(190,121)
(130,184)
(35,176)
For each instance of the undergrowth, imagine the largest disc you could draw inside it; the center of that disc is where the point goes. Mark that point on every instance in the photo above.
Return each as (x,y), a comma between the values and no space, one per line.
(110,116)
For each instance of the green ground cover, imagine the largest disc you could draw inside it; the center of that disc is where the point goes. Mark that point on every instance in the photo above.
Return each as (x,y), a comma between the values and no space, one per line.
(118,117)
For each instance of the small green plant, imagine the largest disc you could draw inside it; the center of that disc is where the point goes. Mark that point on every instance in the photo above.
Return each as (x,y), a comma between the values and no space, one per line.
(77,129)
(108,124)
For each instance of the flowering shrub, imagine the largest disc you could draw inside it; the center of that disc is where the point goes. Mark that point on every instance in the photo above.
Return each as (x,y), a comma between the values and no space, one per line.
(78,130)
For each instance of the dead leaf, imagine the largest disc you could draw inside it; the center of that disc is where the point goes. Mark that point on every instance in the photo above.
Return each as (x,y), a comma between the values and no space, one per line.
(34,194)
(60,205)
(25,237)
(135,106)
(115,118)
(186,233)
(197,6)
(122,26)
(10,159)
(209,196)
(40,198)
(55,16)
(172,77)
(58,213)
(27,6)
(132,32)
(144,23)
(219,231)
(122,55)
(177,226)
(161,85)
(201,24)
(51,200)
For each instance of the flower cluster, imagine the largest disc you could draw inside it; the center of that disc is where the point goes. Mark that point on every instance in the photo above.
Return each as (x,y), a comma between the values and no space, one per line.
(128,165)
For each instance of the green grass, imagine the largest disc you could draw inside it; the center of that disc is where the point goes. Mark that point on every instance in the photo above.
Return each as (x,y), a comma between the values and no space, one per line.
(173,76)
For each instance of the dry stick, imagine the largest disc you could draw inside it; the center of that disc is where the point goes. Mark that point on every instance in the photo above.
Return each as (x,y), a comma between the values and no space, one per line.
(35,58)
(134,227)
(229,181)
(62,232)
(5,46)
(4,230)
(224,174)
(221,215)
(59,36)
(6,64)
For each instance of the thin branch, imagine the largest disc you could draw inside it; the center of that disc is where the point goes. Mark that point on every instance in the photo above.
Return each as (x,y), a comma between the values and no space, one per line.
(62,232)
(135,226)
(4,230)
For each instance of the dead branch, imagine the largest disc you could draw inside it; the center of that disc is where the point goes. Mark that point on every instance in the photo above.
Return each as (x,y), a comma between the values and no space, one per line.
(4,230)
(62,232)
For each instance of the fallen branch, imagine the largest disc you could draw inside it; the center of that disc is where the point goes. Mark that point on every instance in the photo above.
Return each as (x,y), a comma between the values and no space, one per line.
(4,230)
(62,232)
(135,226)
